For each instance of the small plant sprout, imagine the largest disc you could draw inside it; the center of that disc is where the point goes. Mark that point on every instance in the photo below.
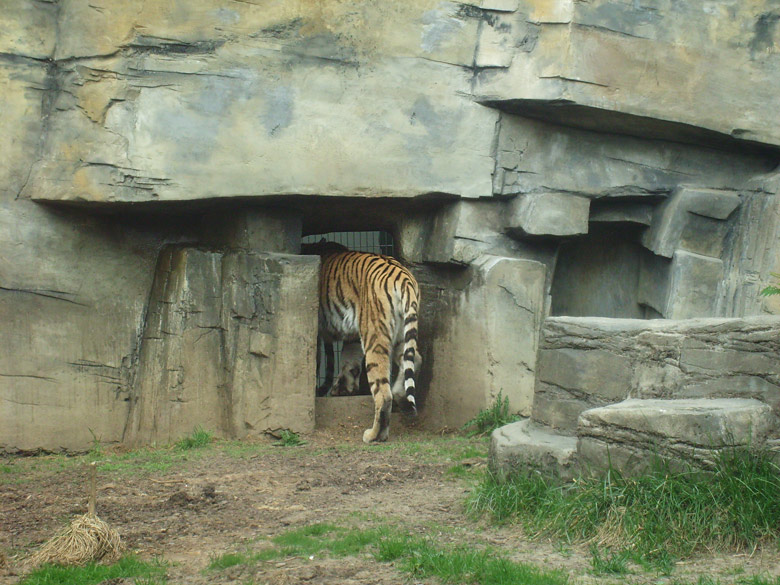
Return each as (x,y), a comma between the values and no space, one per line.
(289,438)
(197,439)
(773,288)
(489,419)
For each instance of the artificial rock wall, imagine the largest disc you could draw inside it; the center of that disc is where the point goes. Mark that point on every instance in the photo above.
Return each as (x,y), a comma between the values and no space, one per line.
(606,158)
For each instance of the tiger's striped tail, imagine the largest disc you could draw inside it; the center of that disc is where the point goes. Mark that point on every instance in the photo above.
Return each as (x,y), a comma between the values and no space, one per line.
(411,357)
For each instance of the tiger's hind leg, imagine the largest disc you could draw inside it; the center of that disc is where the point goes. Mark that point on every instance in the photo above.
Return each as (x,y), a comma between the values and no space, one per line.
(327,346)
(378,371)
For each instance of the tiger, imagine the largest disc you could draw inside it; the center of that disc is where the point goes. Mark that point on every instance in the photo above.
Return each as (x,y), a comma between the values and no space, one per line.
(372,299)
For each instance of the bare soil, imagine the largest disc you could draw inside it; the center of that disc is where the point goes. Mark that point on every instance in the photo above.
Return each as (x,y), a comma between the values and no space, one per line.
(219,501)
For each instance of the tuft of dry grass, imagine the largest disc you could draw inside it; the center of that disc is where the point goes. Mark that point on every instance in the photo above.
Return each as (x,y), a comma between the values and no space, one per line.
(86,539)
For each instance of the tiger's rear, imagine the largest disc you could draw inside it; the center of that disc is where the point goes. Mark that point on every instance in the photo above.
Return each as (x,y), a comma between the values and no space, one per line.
(374,299)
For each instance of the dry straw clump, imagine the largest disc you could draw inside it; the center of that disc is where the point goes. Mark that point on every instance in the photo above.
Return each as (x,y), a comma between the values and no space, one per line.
(87,539)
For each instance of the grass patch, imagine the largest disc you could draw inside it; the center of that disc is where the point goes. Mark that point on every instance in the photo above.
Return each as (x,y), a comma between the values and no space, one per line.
(658,516)
(289,439)
(489,419)
(422,559)
(149,460)
(611,563)
(414,555)
(199,438)
(128,567)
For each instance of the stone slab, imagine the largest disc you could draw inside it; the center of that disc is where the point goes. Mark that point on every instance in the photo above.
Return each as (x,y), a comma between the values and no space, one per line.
(548,214)
(525,446)
(629,434)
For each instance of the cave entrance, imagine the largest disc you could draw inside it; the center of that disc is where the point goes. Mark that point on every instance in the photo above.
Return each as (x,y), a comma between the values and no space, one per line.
(377,242)
(598,275)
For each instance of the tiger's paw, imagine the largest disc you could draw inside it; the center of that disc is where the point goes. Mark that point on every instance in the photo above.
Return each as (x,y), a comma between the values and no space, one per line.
(369,437)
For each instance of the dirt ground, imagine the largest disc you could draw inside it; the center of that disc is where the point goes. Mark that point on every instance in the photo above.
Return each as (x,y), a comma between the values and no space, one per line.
(227,499)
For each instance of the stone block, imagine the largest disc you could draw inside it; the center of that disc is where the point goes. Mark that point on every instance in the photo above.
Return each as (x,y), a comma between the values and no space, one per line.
(571,380)
(684,50)
(338,112)
(591,372)
(463,231)
(558,408)
(691,219)
(629,434)
(484,339)
(548,214)
(694,286)
(525,446)
(229,345)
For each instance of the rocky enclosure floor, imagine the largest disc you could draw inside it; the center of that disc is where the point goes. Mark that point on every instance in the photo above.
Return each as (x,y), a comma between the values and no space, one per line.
(230,496)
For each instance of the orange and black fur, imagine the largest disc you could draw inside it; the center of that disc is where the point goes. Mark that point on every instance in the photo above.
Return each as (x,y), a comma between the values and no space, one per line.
(374,299)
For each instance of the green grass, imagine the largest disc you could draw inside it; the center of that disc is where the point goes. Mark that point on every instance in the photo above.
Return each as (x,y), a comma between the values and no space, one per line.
(752,580)
(414,555)
(611,563)
(422,559)
(489,419)
(659,516)
(198,439)
(148,460)
(129,567)
(289,439)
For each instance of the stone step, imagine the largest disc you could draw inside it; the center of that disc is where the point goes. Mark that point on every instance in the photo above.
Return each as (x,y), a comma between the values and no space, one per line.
(629,434)
(528,445)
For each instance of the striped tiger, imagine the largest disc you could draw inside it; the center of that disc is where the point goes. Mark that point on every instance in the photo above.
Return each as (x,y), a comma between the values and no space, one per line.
(373,299)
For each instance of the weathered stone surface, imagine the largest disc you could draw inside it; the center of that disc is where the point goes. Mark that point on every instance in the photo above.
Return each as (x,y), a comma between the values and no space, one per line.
(422,118)
(622,212)
(694,283)
(548,214)
(215,101)
(629,434)
(223,347)
(267,230)
(687,287)
(462,232)
(72,295)
(526,446)
(533,156)
(622,66)
(570,380)
(696,358)
(482,339)
(691,219)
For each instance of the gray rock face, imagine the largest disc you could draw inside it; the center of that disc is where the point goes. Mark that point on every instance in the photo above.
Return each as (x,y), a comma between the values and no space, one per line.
(629,434)
(530,158)
(482,339)
(589,362)
(223,347)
